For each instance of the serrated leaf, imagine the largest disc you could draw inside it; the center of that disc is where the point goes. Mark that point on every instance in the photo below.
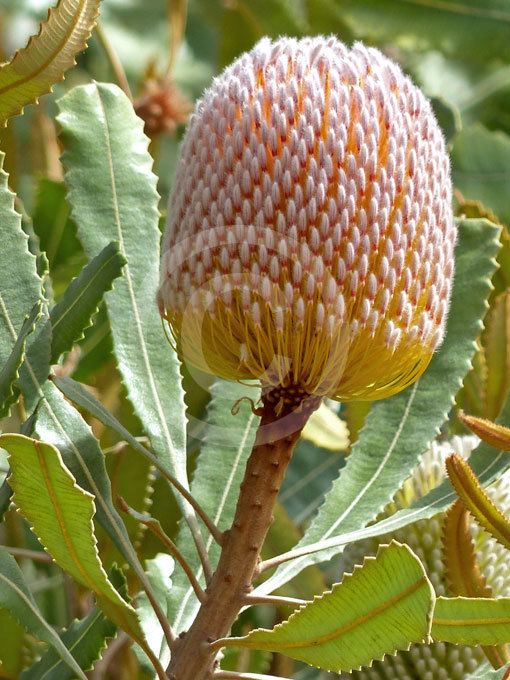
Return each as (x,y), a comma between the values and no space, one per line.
(10,371)
(37,67)
(497,436)
(72,314)
(106,156)
(476,500)
(472,621)
(399,429)
(21,289)
(497,354)
(61,513)
(85,639)
(383,607)
(326,430)
(16,598)
(462,571)
(226,444)
(60,424)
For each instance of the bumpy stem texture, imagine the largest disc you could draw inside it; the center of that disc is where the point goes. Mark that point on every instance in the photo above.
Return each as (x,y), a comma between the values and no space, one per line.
(192,657)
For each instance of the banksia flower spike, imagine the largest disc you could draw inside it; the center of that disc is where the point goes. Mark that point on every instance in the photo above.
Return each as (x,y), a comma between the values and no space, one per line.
(310,236)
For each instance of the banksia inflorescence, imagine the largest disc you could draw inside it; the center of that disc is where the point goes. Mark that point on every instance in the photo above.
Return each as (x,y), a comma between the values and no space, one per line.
(310,236)
(439,660)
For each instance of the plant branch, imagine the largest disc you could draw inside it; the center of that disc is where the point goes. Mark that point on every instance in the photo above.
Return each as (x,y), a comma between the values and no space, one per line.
(153,525)
(36,555)
(275,600)
(232,675)
(193,656)
(114,61)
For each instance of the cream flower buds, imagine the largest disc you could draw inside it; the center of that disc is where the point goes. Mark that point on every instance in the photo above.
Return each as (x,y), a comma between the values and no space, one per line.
(310,235)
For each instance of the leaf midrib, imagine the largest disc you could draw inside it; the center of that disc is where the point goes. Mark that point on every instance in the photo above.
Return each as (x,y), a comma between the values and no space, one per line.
(31,76)
(187,510)
(346,628)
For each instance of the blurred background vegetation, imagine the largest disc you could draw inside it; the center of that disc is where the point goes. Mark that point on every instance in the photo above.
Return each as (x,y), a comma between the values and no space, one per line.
(457,51)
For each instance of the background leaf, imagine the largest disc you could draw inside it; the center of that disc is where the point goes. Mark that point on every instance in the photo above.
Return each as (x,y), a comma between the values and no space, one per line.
(86,639)
(10,370)
(17,599)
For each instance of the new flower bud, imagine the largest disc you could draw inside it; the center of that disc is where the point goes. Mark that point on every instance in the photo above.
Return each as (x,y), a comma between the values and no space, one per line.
(310,235)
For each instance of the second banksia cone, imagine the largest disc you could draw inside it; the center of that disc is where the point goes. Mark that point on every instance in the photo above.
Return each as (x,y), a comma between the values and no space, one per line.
(310,236)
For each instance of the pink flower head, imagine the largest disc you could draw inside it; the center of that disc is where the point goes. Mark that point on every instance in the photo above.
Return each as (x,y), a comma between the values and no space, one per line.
(310,235)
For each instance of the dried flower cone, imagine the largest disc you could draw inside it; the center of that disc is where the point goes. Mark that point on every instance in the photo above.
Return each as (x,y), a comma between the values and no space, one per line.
(437,661)
(310,236)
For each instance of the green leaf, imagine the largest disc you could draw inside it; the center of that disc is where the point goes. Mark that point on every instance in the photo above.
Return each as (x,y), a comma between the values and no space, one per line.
(61,513)
(227,443)
(81,299)
(10,371)
(53,224)
(12,650)
(399,429)
(21,288)
(85,639)
(113,196)
(481,162)
(472,621)
(383,607)
(159,572)
(17,599)
(472,31)
(37,67)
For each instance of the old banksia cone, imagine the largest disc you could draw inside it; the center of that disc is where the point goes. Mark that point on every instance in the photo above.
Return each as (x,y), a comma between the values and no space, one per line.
(310,236)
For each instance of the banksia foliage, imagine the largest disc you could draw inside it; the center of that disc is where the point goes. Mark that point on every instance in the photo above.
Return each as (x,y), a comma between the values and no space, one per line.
(437,661)
(310,236)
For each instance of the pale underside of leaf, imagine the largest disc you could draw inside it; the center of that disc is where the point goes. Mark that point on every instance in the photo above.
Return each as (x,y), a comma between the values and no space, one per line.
(384,606)
(472,621)
(61,514)
(37,67)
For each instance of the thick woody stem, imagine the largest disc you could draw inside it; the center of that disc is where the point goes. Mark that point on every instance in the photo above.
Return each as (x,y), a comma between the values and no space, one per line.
(192,656)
